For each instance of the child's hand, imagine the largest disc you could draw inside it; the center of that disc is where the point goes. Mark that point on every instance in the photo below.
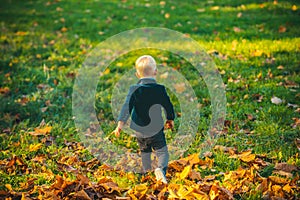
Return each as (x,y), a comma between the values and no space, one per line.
(118,129)
(117,132)
(169,124)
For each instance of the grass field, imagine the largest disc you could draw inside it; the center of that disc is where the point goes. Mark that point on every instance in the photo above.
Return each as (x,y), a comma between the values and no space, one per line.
(256,48)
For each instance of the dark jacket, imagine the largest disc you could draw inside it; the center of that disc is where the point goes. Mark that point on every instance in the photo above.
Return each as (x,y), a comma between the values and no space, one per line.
(144,103)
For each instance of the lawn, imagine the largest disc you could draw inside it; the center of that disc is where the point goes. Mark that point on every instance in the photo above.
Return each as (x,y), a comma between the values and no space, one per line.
(253,45)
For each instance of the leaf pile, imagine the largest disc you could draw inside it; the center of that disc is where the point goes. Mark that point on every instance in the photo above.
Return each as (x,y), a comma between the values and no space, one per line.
(185,176)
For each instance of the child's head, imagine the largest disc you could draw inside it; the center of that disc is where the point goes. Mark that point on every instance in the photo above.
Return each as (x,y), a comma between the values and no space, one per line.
(145,66)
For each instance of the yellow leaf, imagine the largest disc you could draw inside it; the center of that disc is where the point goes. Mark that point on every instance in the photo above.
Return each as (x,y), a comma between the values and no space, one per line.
(184,191)
(41,131)
(294,8)
(185,172)
(35,147)
(172,194)
(8,186)
(142,188)
(248,158)
(119,64)
(107,71)
(201,196)
(215,8)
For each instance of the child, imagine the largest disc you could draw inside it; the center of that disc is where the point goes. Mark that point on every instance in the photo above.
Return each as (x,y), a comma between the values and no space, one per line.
(144,103)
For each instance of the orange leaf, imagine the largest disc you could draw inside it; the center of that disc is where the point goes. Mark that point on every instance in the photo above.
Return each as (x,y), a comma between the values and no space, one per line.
(214,192)
(21,33)
(287,188)
(4,90)
(8,186)
(282,29)
(63,29)
(278,180)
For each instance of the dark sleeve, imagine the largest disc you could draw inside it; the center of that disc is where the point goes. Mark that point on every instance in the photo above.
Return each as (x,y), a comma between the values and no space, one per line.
(168,106)
(127,106)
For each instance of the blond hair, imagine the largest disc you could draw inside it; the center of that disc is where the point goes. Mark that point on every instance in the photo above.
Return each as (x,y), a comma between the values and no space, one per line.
(145,66)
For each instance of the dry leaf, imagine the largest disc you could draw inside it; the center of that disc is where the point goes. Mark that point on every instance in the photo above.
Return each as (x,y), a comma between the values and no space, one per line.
(179,87)
(278,180)
(41,131)
(236,29)
(21,33)
(276,100)
(280,67)
(185,172)
(4,90)
(282,29)
(285,167)
(167,15)
(35,147)
(82,195)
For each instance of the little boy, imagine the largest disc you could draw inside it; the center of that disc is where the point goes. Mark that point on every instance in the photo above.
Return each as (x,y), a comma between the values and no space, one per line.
(144,103)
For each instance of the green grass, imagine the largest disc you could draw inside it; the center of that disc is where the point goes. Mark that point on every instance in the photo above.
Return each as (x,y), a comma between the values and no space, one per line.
(39,61)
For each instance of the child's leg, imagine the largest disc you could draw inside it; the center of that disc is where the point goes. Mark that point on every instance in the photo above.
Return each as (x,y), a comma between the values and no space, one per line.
(146,161)
(163,158)
(145,154)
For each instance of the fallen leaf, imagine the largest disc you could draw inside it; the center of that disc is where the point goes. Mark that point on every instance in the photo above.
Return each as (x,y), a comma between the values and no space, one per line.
(285,167)
(35,147)
(297,142)
(278,180)
(41,131)
(280,67)
(215,8)
(4,90)
(21,33)
(282,29)
(167,15)
(236,29)
(185,172)
(276,100)
(82,195)
(179,87)
(283,173)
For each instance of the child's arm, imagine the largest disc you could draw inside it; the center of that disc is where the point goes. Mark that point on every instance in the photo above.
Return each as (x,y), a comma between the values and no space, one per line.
(118,128)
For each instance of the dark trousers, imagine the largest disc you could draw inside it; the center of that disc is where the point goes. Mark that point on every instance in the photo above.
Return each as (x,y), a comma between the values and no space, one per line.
(156,143)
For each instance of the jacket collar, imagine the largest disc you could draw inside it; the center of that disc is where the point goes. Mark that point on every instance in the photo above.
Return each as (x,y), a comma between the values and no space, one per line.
(146,81)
